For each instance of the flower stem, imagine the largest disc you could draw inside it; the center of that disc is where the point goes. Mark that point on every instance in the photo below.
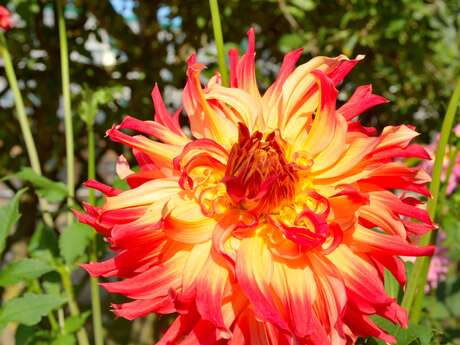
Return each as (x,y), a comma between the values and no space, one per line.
(23,122)
(217,27)
(73,306)
(65,273)
(20,110)
(91,161)
(417,280)
(95,296)
(67,110)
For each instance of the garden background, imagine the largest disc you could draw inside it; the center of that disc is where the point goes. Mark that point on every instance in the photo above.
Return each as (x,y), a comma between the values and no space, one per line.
(119,49)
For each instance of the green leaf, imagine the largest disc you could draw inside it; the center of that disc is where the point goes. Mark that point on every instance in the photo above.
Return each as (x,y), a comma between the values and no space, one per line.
(46,188)
(26,269)
(92,99)
(74,323)
(64,339)
(52,284)
(415,334)
(453,303)
(451,227)
(391,284)
(29,308)
(438,310)
(74,241)
(44,244)
(25,335)
(9,215)
(288,42)
(304,5)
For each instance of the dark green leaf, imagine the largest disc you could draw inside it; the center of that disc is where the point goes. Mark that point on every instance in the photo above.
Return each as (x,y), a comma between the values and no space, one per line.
(25,269)
(74,240)
(44,243)
(29,309)
(9,215)
(25,335)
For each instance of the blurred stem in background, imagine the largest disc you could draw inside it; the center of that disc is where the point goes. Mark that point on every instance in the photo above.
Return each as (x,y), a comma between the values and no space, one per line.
(23,122)
(20,110)
(65,272)
(95,295)
(67,110)
(217,27)
(87,110)
(413,298)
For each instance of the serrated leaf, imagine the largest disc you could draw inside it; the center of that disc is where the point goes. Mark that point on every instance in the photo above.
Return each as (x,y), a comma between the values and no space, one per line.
(74,241)
(29,308)
(64,339)
(26,269)
(414,334)
(9,215)
(50,190)
(75,322)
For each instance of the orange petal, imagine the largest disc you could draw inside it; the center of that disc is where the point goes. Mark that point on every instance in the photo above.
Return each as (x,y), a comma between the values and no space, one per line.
(184,222)
(204,121)
(146,194)
(254,269)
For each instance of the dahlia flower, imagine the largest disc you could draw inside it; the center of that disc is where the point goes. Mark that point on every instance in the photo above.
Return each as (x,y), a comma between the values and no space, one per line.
(274,222)
(6,22)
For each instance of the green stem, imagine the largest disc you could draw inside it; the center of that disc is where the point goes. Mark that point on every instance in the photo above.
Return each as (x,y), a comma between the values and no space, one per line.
(65,273)
(67,110)
(417,280)
(23,122)
(91,161)
(20,109)
(73,306)
(217,27)
(95,296)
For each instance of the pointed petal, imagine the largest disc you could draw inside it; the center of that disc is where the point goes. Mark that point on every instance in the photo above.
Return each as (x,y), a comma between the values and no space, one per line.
(205,122)
(361,100)
(254,269)
(368,240)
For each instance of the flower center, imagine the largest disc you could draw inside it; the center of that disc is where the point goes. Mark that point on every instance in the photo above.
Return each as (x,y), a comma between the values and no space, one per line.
(258,176)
